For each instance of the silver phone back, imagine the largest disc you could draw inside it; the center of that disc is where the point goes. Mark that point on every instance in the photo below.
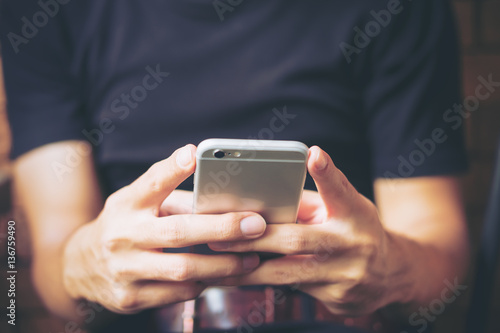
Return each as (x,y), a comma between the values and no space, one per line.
(266,177)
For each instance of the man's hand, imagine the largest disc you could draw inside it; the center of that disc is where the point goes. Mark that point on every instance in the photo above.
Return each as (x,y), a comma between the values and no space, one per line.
(117,261)
(339,252)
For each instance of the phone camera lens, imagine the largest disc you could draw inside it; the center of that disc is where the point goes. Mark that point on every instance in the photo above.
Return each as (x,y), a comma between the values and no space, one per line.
(219,154)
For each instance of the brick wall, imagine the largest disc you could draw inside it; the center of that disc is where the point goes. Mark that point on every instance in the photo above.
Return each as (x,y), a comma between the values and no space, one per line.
(479,23)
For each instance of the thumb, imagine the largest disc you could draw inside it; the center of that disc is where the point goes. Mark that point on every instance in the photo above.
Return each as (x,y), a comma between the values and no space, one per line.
(338,194)
(150,189)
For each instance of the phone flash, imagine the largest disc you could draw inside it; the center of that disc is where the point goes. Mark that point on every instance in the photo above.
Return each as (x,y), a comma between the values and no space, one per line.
(237,154)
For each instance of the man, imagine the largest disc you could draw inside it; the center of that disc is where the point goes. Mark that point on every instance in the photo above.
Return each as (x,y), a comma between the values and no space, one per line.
(367,81)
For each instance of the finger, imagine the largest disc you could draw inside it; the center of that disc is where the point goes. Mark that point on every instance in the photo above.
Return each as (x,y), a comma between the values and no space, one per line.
(289,270)
(288,239)
(319,290)
(191,229)
(149,294)
(182,267)
(311,208)
(153,294)
(178,202)
(362,303)
(150,189)
(338,194)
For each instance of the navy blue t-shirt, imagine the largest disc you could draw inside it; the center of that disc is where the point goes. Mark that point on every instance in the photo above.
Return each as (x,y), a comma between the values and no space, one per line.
(141,78)
(368,81)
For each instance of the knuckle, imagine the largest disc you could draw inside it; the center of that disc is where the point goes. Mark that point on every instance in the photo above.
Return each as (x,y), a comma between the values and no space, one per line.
(110,244)
(355,276)
(228,227)
(180,270)
(118,203)
(234,266)
(294,242)
(343,295)
(346,189)
(336,296)
(345,186)
(283,277)
(126,300)
(194,291)
(366,250)
(113,241)
(327,246)
(352,300)
(114,200)
(346,299)
(174,232)
(186,291)
(119,272)
(153,178)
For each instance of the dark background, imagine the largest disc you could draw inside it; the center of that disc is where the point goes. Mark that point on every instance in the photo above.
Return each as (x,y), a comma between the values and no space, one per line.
(479,23)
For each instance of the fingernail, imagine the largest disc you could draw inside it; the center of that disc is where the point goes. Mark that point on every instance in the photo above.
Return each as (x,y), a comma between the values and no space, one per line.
(252,226)
(321,161)
(184,157)
(250,262)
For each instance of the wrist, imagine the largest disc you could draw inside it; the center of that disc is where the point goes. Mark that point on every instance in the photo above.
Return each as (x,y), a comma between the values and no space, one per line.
(73,262)
(401,282)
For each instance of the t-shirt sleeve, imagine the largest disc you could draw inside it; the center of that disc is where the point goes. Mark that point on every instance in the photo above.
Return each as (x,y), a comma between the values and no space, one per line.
(43,95)
(414,81)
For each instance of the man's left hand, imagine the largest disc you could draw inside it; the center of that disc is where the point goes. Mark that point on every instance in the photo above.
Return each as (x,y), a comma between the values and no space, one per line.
(339,252)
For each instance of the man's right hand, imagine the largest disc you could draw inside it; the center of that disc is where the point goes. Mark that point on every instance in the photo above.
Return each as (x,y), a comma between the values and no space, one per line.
(117,261)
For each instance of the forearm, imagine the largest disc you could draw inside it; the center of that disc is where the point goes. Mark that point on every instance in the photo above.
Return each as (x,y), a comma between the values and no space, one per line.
(55,210)
(427,229)
(422,272)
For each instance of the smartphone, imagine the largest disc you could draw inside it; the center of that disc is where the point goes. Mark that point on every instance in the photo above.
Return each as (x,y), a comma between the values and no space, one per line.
(263,176)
